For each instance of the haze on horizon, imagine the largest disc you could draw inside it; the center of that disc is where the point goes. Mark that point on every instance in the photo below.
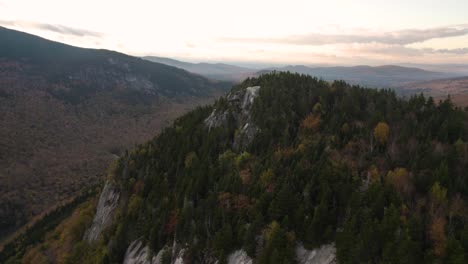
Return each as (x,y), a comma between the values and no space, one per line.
(297,31)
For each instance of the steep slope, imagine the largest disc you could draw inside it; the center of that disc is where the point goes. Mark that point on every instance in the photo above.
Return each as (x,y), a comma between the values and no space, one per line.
(216,71)
(67,111)
(290,169)
(382,76)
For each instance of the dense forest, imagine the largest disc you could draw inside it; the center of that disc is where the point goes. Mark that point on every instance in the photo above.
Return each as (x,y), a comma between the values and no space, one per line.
(382,177)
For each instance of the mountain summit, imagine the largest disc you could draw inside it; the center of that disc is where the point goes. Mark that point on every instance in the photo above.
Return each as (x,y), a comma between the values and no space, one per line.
(287,169)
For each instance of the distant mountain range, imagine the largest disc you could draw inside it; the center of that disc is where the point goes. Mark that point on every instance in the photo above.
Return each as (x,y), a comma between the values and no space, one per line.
(66,112)
(386,76)
(216,71)
(439,89)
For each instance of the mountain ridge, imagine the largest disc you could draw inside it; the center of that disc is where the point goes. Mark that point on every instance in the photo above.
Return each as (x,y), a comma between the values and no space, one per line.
(384,76)
(67,111)
(217,71)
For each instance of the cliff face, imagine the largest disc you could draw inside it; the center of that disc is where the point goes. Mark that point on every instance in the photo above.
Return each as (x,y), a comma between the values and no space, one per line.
(239,106)
(107,204)
(326,254)
(138,253)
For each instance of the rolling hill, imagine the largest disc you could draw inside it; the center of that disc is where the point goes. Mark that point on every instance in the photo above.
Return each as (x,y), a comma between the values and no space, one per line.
(67,111)
(386,76)
(457,88)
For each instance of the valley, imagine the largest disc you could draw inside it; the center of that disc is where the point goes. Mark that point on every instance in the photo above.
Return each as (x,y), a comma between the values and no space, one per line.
(67,112)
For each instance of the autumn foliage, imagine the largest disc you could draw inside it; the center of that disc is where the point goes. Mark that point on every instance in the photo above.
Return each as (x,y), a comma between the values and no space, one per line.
(437,235)
(381,132)
(311,122)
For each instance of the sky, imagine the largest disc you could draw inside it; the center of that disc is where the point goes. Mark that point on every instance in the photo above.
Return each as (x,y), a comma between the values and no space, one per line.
(338,32)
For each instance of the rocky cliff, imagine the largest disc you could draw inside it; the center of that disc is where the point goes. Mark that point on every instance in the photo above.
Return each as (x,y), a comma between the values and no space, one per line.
(239,106)
(138,253)
(108,201)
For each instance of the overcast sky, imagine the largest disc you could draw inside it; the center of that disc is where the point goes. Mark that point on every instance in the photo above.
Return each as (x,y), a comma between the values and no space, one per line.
(289,31)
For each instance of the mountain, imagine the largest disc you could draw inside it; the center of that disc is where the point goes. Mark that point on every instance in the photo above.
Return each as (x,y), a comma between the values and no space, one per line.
(67,111)
(215,71)
(386,76)
(285,168)
(381,76)
(459,69)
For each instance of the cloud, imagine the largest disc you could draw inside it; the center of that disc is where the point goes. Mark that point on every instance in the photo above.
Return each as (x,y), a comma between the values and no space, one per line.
(401,37)
(461,51)
(395,50)
(64,30)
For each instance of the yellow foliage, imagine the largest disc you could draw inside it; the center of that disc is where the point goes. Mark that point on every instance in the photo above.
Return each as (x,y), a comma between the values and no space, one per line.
(381,132)
(266,177)
(58,243)
(272,228)
(242,159)
(399,178)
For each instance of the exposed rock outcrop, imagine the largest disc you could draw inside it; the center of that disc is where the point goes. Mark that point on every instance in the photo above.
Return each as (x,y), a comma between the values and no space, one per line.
(326,254)
(108,201)
(179,257)
(239,257)
(138,253)
(216,119)
(239,107)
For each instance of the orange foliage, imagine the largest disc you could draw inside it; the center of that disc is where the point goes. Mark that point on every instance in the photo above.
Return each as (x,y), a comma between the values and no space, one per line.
(311,122)
(437,235)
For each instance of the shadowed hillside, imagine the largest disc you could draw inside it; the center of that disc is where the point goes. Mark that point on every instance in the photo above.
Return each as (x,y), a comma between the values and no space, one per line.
(67,111)
(216,71)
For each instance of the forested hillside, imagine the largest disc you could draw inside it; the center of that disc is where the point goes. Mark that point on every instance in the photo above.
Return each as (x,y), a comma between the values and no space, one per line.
(286,160)
(66,112)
